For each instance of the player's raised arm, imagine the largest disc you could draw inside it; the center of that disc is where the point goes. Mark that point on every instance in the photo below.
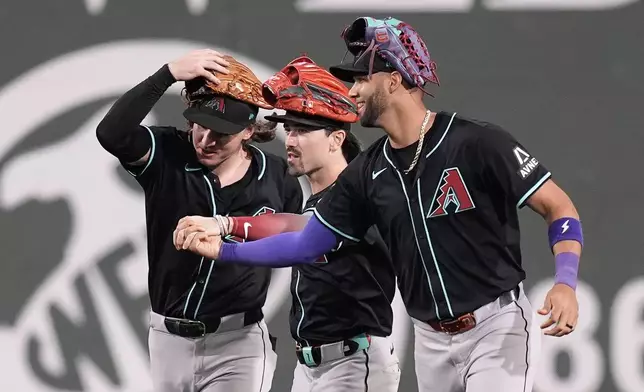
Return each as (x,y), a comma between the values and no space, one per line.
(120,132)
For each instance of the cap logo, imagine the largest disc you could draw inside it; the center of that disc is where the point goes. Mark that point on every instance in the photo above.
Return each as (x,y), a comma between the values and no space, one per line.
(251,116)
(217,104)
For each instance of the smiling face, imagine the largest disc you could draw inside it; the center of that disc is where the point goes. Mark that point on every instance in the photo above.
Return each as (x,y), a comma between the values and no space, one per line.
(213,148)
(371,97)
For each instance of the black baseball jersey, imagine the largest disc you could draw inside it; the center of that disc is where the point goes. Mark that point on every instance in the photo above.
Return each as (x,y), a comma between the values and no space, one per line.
(183,284)
(345,293)
(451,224)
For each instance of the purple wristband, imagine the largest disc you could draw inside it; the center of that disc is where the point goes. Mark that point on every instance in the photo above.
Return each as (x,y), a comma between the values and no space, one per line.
(566,269)
(564,229)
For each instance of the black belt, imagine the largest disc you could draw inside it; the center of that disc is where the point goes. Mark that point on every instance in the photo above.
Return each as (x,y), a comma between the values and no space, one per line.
(198,328)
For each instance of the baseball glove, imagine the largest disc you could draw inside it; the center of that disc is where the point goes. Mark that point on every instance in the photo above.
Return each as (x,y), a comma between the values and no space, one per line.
(303,86)
(397,43)
(241,83)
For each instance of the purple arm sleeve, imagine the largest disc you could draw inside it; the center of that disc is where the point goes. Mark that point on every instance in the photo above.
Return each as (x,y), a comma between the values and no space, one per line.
(283,250)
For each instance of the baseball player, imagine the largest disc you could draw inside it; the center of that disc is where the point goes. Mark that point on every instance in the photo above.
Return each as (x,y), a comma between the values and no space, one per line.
(444,192)
(341,312)
(207,330)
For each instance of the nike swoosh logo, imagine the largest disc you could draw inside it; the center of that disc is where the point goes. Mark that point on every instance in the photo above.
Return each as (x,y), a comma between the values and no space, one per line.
(376,174)
(247,226)
(188,168)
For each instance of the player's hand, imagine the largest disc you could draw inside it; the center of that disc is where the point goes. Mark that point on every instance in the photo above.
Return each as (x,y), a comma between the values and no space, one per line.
(562,306)
(190,224)
(199,63)
(203,244)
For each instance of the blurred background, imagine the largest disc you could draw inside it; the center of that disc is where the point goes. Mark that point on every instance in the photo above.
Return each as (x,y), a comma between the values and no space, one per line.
(564,76)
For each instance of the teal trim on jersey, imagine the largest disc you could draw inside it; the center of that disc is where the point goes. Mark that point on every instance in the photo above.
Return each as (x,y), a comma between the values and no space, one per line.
(533,189)
(442,137)
(263,169)
(431,248)
(297,294)
(413,226)
(185,307)
(212,196)
(420,251)
(153,149)
(327,224)
(212,264)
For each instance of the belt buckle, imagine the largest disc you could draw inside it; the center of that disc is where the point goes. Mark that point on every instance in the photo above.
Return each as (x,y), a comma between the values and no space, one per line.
(307,356)
(356,343)
(182,324)
(461,324)
(203,327)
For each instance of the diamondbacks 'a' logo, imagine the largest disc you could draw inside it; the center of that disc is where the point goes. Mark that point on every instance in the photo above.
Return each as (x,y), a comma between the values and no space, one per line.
(451,190)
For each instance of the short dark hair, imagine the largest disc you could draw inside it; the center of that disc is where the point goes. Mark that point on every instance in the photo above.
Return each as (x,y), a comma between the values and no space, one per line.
(351,146)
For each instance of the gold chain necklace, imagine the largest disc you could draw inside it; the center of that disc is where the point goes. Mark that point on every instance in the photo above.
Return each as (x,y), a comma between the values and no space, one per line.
(420,142)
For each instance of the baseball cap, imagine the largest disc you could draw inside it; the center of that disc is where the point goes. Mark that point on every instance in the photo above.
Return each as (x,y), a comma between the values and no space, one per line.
(308,120)
(221,114)
(360,67)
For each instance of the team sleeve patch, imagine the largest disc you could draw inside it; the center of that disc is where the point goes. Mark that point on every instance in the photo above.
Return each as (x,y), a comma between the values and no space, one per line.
(527,163)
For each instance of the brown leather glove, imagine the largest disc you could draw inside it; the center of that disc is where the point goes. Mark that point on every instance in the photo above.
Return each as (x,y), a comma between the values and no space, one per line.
(240,83)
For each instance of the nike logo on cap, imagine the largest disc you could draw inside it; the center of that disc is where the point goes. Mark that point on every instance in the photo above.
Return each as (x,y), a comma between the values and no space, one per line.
(377,173)
(247,226)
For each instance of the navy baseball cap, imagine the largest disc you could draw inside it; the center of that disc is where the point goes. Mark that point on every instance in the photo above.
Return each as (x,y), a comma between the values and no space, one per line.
(360,67)
(221,114)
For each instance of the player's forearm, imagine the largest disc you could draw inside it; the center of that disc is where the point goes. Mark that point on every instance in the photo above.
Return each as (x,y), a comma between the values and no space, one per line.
(120,132)
(256,227)
(566,241)
(282,250)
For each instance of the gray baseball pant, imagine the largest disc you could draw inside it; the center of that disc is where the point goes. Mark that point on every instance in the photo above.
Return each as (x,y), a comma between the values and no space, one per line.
(376,369)
(499,354)
(239,359)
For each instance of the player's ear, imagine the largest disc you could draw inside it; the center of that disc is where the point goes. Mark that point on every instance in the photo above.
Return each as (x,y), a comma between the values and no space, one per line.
(395,82)
(336,138)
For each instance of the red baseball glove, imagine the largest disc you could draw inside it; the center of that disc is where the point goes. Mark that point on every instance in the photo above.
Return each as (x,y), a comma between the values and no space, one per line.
(303,86)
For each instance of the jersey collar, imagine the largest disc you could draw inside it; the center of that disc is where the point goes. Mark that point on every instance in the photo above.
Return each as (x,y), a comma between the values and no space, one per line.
(432,141)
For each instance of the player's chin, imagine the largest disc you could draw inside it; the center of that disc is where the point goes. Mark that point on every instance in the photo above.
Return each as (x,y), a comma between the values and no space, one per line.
(295,170)
(210,160)
(368,122)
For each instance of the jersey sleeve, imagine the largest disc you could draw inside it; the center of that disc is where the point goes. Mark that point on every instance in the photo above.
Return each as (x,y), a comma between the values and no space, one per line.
(146,174)
(344,208)
(508,166)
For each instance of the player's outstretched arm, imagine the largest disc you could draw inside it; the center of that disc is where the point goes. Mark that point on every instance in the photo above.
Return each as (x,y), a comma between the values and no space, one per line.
(282,250)
(566,241)
(246,227)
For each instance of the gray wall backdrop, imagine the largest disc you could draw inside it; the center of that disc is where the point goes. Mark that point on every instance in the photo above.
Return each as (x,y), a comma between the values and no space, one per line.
(565,76)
